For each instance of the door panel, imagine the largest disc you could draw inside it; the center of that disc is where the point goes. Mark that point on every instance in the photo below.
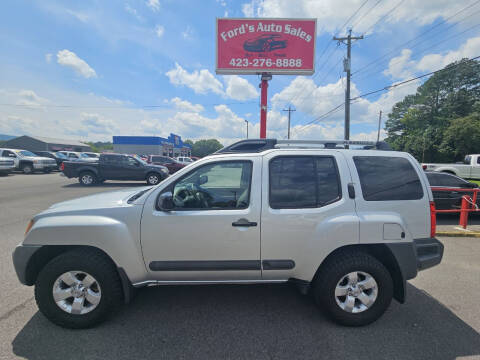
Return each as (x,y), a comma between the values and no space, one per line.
(296,240)
(203,244)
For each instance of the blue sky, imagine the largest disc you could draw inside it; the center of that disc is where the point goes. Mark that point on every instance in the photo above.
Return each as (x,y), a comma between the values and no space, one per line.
(92,69)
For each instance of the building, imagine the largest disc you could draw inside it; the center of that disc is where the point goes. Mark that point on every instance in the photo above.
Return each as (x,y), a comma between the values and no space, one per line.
(172,146)
(40,143)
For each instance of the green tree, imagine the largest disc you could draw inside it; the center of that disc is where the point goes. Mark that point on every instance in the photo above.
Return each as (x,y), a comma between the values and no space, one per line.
(99,146)
(418,124)
(189,142)
(203,148)
(462,137)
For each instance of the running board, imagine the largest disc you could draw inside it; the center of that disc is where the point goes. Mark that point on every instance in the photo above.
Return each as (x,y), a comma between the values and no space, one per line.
(206,282)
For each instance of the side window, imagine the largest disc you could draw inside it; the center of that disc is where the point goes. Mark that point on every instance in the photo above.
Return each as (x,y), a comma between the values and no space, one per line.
(478,160)
(112,159)
(8,153)
(222,185)
(384,178)
(449,180)
(129,161)
(303,182)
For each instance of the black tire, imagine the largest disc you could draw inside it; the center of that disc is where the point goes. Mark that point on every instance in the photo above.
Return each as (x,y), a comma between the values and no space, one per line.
(27,168)
(92,262)
(87,178)
(150,178)
(335,269)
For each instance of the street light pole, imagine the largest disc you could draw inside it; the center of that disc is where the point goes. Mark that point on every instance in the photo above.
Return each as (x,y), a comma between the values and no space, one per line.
(247,127)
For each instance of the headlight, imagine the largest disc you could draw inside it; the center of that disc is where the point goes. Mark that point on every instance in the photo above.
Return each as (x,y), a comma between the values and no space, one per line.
(29,227)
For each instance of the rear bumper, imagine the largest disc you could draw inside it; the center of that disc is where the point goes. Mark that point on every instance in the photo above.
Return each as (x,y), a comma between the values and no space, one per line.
(429,252)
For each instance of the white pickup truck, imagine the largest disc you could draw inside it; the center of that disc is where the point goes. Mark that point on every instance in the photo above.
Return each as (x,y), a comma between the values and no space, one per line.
(469,169)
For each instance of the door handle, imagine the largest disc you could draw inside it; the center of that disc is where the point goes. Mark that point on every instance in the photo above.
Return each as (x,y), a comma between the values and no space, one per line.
(351,191)
(243,222)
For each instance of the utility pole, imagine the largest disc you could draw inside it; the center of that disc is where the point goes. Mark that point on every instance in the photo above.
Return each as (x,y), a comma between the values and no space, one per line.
(379,124)
(247,127)
(289,112)
(347,66)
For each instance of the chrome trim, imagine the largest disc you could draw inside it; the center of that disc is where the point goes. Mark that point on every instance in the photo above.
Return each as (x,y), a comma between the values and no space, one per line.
(206,282)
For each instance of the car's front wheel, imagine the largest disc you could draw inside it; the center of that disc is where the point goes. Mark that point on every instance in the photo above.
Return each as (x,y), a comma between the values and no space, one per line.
(27,169)
(153,179)
(353,288)
(78,289)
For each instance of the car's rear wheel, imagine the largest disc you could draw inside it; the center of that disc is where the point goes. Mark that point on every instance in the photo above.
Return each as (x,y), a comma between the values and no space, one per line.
(153,179)
(78,289)
(353,288)
(87,178)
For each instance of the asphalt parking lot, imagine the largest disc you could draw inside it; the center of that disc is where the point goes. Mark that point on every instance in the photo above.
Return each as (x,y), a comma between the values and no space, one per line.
(440,320)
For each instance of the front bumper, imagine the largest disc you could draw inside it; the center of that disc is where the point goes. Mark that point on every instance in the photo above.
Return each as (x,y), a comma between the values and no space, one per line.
(44,166)
(21,259)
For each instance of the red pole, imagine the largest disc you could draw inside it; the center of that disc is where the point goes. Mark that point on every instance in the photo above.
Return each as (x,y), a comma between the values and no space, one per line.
(464,211)
(263,109)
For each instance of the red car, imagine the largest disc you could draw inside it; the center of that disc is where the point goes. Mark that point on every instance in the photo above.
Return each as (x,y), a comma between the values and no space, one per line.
(172,164)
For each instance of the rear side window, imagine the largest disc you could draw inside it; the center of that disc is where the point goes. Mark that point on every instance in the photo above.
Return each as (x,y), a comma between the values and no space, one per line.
(303,182)
(386,178)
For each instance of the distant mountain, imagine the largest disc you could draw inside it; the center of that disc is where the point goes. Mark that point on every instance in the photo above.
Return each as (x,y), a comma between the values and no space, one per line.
(4,137)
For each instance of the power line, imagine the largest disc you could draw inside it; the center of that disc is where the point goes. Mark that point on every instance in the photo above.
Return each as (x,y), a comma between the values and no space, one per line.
(410,80)
(369,73)
(310,123)
(417,37)
(352,16)
(384,16)
(365,14)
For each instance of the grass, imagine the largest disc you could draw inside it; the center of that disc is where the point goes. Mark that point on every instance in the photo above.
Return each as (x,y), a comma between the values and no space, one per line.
(474,181)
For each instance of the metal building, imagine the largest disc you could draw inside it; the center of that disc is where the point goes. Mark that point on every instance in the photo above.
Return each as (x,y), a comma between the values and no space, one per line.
(41,143)
(172,146)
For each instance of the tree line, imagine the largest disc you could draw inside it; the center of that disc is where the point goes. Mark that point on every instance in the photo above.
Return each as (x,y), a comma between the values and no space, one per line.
(441,121)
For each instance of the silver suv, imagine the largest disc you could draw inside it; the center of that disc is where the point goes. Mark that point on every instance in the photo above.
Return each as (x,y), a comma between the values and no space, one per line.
(348,226)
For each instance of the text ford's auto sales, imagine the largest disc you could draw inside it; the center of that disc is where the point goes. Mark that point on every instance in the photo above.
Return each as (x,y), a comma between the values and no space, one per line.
(280,46)
(271,27)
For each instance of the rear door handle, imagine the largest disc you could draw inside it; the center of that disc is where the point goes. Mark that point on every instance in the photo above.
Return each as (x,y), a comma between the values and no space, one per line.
(243,222)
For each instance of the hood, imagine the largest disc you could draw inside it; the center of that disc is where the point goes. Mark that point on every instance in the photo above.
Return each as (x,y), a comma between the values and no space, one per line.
(111,199)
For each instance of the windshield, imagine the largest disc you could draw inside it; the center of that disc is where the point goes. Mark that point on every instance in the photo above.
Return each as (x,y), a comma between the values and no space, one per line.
(139,159)
(60,155)
(26,153)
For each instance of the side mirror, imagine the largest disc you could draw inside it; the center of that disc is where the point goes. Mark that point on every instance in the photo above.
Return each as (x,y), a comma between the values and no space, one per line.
(165,202)
(203,179)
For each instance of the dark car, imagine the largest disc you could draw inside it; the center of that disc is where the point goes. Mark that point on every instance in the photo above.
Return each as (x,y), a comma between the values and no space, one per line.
(263,43)
(114,167)
(58,157)
(171,164)
(451,199)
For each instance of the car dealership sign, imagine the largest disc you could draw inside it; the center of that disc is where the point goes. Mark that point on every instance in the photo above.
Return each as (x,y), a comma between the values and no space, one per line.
(275,46)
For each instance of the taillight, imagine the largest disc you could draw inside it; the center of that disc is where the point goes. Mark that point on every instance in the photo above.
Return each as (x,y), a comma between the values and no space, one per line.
(62,167)
(424,167)
(433,220)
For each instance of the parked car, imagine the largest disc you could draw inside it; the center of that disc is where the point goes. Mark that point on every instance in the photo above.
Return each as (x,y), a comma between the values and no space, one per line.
(29,162)
(78,156)
(452,199)
(470,169)
(6,165)
(171,164)
(348,226)
(184,160)
(92,154)
(58,157)
(114,167)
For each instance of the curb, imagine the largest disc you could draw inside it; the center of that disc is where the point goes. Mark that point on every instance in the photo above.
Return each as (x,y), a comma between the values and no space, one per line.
(458,234)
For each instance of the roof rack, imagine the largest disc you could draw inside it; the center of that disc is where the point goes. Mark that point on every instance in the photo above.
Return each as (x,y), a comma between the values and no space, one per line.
(259,145)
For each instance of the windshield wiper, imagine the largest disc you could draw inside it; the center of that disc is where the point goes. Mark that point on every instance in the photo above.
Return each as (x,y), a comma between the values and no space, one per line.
(137,195)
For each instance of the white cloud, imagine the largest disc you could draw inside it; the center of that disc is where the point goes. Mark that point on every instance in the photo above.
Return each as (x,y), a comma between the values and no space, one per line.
(188,33)
(29,98)
(48,58)
(154,5)
(159,30)
(201,81)
(92,124)
(79,15)
(71,60)
(403,66)
(239,88)
(184,105)
(331,14)
(437,61)
(133,12)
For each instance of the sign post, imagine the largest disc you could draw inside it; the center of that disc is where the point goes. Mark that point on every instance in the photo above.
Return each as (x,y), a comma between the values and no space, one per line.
(266,47)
